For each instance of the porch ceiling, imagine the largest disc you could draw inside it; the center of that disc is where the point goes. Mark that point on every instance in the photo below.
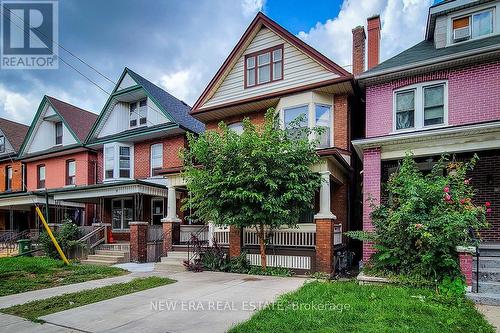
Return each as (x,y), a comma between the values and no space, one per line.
(25,201)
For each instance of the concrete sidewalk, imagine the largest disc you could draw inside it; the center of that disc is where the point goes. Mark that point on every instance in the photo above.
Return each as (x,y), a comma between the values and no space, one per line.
(15,324)
(8,301)
(197,302)
(491,313)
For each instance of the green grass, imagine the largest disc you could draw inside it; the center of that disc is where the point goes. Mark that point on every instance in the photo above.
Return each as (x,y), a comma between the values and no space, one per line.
(21,274)
(372,309)
(40,308)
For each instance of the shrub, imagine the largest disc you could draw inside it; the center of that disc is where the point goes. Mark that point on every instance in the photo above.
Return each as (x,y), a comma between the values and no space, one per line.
(425,218)
(67,236)
(270,271)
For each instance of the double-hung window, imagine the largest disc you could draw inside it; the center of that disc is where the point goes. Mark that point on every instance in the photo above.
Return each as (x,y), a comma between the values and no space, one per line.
(138,113)
(70,172)
(118,161)
(156,158)
(8,178)
(59,132)
(40,176)
(264,66)
(473,25)
(420,106)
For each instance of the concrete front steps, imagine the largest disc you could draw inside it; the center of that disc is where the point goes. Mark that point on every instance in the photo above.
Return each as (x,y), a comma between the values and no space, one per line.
(109,254)
(489,275)
(173,262)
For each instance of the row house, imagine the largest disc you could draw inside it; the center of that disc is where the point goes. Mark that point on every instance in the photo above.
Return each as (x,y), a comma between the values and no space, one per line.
(12,173)
(440,96)
(137,136)
(271,68)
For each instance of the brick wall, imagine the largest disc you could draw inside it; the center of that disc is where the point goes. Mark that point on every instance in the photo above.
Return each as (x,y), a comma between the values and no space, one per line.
(17,176)
(358,50)
(257,118)
(472,96)
(341,126)
(371,191)
(55,170)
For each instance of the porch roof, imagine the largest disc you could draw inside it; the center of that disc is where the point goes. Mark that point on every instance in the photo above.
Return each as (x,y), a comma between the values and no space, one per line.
(91,193)
(24,200)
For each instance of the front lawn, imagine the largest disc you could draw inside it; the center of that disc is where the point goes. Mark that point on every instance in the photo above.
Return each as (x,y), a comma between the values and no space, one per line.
(21,274)
(349,307)
(40,308)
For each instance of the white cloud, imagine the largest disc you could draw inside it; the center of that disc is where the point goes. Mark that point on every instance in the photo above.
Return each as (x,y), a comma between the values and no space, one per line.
(179,83)
(403,25)
(17,107)
(250,7)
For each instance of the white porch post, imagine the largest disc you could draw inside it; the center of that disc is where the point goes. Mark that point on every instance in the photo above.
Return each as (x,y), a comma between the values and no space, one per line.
(171,206)
(325,211)
(210,234)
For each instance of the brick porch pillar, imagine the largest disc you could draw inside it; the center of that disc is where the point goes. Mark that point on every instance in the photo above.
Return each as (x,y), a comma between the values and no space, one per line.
(372,177)
(234,241)
(465,259)
(138,241)
(324,228)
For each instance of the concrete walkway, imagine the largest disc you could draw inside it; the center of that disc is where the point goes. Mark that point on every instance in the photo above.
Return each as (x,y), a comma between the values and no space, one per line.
(8,301)
(15,324)
(491,313)
(197,302)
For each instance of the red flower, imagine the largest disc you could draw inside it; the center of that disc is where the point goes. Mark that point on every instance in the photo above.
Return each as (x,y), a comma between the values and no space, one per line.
(488,210)
(447,197)
(462,201)
(419,225)
(487,203)
(467,181)
(446,189)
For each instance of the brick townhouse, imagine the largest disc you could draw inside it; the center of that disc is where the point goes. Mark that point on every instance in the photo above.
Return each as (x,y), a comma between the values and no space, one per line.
(136,137)
(270,67)
(12,173)
(440,96)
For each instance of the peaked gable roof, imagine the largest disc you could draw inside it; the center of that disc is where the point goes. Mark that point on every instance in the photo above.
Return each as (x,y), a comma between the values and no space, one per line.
(173,108)
(78,121)
(261,20)
(14,132)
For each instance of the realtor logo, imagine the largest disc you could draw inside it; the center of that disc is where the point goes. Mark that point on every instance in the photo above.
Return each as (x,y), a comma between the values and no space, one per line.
(29,38)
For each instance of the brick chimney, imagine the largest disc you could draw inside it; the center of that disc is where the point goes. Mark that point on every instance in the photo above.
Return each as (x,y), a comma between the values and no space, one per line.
(373,41)
(358,50)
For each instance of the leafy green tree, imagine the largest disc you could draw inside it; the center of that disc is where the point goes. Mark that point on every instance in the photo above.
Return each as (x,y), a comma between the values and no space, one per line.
(261,178)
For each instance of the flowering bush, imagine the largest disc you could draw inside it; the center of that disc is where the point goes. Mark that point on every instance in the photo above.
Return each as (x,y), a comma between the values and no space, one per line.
(425,218)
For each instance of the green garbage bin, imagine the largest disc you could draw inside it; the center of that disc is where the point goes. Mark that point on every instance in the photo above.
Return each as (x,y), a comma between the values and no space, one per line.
(24,247)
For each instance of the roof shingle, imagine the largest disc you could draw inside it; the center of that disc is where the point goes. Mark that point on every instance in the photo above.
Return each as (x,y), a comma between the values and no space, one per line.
(15,132)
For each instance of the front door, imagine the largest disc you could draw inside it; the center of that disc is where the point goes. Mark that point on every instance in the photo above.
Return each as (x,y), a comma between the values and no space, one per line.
(122,213)
(157,207)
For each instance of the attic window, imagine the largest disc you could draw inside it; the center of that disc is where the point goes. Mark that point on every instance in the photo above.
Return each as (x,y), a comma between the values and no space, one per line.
(59,132)
(2,144)
(472,26)
(138,113)
(264,66)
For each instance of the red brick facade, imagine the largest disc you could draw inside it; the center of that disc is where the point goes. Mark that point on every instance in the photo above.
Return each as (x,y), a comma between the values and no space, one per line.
(341,126)
(371,192)
(17,176)
(465,259)
(256,118)
(373,41)
(138,242)
(358,50)
(324,245)
(234,241)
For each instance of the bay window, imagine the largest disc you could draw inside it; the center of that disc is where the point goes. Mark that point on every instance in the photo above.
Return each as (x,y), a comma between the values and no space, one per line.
(323,121)
(264,66)
(118,161)
(296,119)
(312,115)
(420,106)
(156,158)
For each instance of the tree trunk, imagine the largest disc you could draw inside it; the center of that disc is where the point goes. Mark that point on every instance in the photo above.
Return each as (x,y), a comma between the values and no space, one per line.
(262,245)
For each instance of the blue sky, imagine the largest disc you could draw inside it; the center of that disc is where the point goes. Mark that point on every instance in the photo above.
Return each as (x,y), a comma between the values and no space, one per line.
(179,45)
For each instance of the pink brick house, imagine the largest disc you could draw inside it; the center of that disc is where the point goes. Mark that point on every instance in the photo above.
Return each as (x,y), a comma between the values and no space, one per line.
(439,96)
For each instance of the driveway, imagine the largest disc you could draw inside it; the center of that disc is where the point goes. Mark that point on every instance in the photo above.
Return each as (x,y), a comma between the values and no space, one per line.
(198,302)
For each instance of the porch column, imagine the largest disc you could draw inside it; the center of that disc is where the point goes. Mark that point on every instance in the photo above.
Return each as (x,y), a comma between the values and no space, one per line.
(169,221)
(138,241)
(324,228)
(234,241)
(372,177)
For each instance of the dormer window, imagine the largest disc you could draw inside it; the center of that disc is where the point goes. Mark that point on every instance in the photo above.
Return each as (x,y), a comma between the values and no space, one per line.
(264,66)
(59,132)
(138,113)
(472,26)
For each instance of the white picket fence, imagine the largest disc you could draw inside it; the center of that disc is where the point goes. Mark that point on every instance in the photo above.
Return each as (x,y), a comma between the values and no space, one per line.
(302,236)
(288,261)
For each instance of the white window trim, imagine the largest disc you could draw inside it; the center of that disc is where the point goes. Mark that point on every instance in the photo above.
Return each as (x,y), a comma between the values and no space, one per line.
(311,113)
(116,158)
(470,12)
(419,106)
(137,113)
(151,159)
(121,199)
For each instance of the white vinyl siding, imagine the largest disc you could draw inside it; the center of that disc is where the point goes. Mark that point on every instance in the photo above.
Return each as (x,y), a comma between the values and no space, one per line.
(299,69)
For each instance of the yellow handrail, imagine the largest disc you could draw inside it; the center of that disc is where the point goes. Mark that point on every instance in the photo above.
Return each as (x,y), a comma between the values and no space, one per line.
(58,248)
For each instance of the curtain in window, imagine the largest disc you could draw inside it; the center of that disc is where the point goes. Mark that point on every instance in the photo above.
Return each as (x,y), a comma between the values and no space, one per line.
(405,110)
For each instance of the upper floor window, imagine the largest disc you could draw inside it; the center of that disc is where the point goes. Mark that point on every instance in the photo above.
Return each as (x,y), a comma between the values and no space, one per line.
(118,161)
(310,116)
(472,26)
(40,176)
(156,158)
(2,144)
(264,66)
(59,132)
(237,127)
(70,172)
(420,106)
(138,113)
(8,178)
